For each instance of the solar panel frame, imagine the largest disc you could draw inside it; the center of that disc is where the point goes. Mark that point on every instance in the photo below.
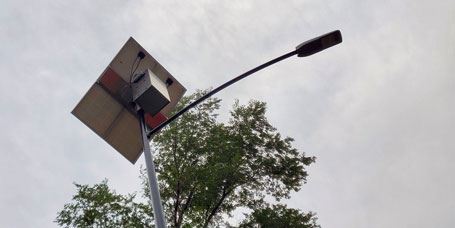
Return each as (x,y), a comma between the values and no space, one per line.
(107,109)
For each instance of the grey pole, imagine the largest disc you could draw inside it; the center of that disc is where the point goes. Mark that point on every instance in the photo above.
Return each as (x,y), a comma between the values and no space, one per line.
(160,221)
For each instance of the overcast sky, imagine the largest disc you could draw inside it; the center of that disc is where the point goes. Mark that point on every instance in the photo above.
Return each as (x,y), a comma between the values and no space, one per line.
(377,111)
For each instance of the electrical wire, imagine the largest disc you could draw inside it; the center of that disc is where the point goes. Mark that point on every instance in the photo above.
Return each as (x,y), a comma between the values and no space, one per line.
(132,66)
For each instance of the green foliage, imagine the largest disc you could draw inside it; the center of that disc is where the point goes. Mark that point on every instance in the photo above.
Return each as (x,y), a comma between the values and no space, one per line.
(99,206)
(207,169)
(278,216)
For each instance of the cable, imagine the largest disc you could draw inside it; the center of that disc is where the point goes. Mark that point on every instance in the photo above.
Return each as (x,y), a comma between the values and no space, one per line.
(140,57)
(131,69)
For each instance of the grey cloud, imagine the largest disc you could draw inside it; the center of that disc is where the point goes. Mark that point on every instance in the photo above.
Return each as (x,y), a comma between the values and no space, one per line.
(377,110)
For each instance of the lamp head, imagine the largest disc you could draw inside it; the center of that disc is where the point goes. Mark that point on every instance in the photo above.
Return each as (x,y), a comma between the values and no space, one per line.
(319,43)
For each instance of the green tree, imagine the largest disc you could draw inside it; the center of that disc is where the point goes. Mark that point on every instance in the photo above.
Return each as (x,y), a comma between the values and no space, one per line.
(279,216)
(207,168)
(99,206)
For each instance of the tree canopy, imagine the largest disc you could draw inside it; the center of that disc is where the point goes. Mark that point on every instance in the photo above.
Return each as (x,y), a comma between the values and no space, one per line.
(99,206)
(279,216)
(208,168)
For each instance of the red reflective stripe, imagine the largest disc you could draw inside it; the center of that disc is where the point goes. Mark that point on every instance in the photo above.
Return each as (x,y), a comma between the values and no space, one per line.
(154,121)
(112,81)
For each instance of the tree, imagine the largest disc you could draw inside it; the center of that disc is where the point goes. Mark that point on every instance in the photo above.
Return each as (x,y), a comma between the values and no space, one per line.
(278,216)
(207,168)
(99,206)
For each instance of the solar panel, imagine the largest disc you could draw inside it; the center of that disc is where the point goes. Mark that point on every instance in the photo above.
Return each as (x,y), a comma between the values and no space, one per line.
(107,107)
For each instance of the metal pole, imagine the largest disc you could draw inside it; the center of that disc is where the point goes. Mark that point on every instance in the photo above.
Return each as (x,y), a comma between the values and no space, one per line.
(160,221)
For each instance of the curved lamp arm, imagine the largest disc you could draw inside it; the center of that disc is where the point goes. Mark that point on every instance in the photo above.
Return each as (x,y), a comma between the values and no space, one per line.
(307,48)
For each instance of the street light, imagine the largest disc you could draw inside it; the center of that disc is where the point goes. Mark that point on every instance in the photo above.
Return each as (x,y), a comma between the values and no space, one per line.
(121,105)
(319,43)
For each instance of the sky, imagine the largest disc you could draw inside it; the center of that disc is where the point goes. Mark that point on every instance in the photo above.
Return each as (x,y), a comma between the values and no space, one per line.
(377,111)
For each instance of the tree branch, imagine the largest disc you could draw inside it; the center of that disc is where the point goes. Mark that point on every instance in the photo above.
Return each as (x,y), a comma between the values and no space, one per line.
(176,204)
(185,206)
(217,206)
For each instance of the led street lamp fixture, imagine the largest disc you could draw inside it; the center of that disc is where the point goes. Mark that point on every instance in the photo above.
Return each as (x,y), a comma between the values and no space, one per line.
(319,43)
